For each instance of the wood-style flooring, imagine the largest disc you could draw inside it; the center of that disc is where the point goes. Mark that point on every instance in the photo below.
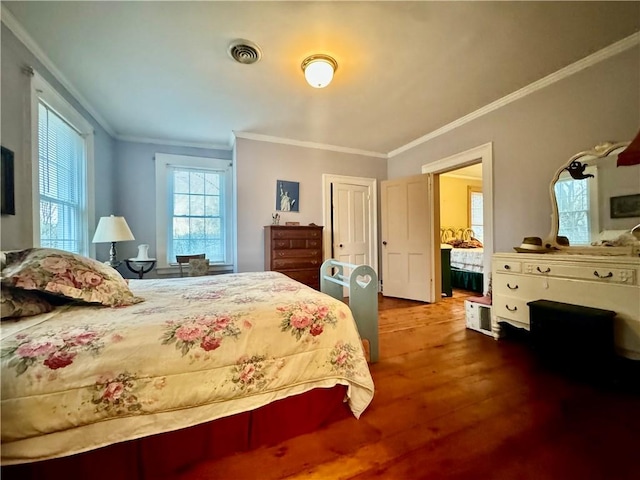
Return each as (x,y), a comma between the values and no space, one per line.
(454,403)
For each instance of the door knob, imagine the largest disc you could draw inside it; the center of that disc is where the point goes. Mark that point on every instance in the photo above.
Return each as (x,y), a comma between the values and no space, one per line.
(340,245)
(384,242)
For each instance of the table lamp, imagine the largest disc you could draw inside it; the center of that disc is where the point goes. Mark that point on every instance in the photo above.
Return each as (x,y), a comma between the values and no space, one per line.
(112,229)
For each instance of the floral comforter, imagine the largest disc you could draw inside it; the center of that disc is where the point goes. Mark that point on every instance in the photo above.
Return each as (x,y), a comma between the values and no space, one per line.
(81,377)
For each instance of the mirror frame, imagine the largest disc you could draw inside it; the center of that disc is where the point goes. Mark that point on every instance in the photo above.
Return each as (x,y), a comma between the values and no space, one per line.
(599,151)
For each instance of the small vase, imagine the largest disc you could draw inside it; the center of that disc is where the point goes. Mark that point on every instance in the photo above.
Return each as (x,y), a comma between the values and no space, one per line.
(143,252)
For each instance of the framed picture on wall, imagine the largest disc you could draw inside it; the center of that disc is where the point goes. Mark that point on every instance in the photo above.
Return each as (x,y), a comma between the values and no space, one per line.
(8,206)
(625,206)
(287,196)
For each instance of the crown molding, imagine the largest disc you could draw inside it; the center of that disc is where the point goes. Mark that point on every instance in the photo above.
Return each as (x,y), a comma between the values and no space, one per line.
(298,143)
(600,55)
(174,143)
(21,34)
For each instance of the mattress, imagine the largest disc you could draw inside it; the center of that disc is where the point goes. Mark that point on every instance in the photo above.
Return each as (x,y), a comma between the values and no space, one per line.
(470,259)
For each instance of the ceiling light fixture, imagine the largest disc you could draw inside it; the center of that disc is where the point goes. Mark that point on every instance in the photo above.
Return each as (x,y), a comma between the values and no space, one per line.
(319,69)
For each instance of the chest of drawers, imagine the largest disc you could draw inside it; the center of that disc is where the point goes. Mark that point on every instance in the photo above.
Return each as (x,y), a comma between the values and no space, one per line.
(605,282)
(295,251)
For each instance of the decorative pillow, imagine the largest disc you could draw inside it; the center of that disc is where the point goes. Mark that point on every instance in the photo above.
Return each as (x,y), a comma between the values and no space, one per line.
(67,274)
(22,303)
(198,267)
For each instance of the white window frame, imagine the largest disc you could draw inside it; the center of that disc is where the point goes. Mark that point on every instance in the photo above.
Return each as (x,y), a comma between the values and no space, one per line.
(163,202)
(42,91)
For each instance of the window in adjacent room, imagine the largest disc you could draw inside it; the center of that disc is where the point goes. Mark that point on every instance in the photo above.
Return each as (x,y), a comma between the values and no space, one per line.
(62,171)
(577,207)
(475,212)
(194,209)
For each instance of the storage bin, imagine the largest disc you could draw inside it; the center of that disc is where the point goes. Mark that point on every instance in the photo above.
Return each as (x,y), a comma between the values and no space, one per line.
(573,338)
(478,316)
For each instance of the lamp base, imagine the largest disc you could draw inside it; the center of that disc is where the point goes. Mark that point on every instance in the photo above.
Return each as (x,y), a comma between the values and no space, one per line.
(113,261)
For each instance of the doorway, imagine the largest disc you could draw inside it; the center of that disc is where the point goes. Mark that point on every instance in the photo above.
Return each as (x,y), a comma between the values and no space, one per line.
(479,155)
(350,215)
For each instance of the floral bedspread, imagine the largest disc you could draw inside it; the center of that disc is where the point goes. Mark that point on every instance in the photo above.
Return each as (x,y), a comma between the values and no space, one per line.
(81,377)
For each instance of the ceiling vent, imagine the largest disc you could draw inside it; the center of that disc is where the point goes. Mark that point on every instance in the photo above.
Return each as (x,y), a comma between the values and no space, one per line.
(245,51)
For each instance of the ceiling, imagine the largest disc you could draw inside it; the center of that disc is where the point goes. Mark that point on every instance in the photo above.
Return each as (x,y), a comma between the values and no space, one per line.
(160,70)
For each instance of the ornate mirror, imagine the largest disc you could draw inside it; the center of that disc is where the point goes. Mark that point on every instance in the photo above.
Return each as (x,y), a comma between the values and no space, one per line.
(594,199)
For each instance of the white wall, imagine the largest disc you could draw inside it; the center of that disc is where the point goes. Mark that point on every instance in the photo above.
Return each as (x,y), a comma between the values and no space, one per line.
(532,137)
(260,164)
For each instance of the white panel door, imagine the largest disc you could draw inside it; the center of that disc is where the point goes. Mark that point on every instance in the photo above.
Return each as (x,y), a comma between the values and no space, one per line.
(406,238)
(351,223)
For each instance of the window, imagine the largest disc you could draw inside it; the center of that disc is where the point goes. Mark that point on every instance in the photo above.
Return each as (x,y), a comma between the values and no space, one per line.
(62,170)
(577,207)
(476,213)
(194,208)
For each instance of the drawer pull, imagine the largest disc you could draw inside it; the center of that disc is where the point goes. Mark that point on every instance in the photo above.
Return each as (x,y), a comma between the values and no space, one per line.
(507,267)
(511,288)
(543,271)
(514,309)
(608,275)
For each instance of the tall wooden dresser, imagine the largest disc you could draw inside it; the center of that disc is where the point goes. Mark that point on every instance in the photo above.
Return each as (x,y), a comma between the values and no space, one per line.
(295,251)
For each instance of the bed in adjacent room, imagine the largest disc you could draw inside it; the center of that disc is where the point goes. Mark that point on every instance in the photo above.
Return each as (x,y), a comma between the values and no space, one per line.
(466,258)
(201,357)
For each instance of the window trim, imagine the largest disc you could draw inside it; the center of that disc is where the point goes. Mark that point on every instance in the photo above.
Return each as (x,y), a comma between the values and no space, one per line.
(42,91)
(164,160)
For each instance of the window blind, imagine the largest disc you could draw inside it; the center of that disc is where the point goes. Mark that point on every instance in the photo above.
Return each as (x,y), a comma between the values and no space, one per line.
(62,178)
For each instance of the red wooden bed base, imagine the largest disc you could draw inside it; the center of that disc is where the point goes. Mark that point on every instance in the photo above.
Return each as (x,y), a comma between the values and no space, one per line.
(165,455)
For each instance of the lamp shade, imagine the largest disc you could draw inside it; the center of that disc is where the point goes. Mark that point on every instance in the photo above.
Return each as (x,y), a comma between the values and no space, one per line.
(318,70)
(112,229)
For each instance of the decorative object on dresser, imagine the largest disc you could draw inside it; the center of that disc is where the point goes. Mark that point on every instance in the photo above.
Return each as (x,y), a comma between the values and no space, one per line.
(605,282)
(295,251)
(532,245)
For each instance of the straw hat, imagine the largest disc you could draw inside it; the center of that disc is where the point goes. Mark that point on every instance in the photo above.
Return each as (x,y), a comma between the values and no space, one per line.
(532,245)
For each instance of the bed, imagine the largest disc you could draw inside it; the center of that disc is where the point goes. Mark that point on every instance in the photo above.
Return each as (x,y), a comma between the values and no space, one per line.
(214,360)
(466,258)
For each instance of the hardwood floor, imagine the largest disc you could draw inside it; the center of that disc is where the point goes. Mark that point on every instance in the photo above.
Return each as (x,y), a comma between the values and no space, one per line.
(453,403)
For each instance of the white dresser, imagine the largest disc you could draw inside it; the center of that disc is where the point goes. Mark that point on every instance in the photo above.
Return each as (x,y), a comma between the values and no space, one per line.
(606,282)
